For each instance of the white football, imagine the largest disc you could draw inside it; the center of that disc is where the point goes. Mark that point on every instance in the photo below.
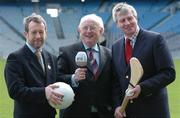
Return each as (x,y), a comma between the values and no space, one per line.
(68,93)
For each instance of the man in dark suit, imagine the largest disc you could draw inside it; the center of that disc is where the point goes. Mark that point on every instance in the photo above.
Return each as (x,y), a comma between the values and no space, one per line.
(29,77)
(92,90)
(149,98)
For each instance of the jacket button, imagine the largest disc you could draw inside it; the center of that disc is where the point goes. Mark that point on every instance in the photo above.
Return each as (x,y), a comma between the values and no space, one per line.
(127,77)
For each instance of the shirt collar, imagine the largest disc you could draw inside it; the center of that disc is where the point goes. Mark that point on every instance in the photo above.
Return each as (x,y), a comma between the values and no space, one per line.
(32,48)
(95,47)
(134,37)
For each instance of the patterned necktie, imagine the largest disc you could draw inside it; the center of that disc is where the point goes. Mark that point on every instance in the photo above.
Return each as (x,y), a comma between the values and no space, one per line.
(128,50)
(93,62)
(39,56)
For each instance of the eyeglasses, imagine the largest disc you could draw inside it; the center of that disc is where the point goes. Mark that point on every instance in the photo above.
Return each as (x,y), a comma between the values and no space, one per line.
(90,27)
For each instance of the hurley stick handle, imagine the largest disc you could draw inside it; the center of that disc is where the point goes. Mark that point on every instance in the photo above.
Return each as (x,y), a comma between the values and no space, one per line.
(124,104)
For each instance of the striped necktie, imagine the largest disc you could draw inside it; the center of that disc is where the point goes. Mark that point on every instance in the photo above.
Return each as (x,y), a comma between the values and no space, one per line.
(93,62)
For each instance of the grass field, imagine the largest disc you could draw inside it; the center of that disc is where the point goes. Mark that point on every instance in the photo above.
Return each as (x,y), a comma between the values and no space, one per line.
(6,104)
(174,96)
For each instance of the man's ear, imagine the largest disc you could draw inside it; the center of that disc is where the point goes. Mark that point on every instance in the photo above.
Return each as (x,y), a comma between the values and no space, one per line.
(46,34)
(101,30)
(25,34)
(78,29)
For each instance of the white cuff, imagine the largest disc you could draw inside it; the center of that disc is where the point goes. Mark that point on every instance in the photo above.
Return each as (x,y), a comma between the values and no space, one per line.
(74,82)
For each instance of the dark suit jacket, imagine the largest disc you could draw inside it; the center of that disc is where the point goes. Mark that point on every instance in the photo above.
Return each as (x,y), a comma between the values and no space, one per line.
(151,50)
(89,92)
(26,83)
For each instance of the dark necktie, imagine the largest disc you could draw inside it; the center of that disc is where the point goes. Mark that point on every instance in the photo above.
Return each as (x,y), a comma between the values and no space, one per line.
(93,62)
(128,50)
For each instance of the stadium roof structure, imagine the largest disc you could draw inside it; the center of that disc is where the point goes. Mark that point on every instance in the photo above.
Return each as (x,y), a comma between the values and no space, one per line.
(45,1)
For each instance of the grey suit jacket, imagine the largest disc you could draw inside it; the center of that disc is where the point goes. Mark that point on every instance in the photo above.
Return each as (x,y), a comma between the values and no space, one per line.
(26,83)
(151,50)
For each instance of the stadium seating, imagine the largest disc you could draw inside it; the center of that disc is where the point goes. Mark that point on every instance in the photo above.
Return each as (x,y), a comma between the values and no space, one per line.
(152,15)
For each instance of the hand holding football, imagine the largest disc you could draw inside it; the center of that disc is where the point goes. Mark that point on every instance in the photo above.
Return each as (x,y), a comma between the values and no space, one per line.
(68,93)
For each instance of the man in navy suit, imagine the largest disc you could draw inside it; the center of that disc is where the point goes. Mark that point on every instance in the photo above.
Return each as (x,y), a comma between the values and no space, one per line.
(29,77)
(149,98)
(93,96)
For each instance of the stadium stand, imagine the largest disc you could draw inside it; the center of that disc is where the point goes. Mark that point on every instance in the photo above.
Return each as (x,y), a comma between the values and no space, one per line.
(156,15)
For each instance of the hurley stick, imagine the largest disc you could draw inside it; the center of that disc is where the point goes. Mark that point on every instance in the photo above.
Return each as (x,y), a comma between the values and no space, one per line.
(136,74)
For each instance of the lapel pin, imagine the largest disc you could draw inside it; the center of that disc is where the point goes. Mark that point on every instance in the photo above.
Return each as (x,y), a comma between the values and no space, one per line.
(49,67)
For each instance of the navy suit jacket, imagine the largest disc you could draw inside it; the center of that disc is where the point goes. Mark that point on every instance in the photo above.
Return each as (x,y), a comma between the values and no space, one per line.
(151,50)
(26,83)
(89,92)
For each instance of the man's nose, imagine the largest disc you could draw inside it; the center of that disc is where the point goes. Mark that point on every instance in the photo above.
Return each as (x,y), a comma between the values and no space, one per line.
(89,29)
(127,21)
(38,35)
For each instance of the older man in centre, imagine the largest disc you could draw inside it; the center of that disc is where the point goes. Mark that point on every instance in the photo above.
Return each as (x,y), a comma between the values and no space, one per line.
(93,96)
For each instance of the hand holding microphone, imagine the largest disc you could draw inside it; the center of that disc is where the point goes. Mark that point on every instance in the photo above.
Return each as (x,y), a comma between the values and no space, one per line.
(81,61)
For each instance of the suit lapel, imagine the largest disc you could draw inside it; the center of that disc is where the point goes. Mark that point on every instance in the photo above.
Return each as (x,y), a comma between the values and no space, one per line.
(102,60)
(47,65)
(32,59)
(139,45)
(121,54)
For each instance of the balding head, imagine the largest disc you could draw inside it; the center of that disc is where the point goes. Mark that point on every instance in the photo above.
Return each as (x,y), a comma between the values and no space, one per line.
(92,17)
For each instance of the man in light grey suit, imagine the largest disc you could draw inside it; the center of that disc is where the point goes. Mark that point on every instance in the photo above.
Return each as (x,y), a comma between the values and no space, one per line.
(93,96)
(149,98)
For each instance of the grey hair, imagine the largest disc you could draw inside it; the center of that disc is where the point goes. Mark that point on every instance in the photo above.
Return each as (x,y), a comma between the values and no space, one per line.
(35,18)
(121,9)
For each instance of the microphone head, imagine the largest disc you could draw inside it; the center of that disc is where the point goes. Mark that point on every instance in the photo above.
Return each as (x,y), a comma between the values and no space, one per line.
(81,59)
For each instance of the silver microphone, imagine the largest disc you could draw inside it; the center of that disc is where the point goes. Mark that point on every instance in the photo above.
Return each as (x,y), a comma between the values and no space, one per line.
(81,59)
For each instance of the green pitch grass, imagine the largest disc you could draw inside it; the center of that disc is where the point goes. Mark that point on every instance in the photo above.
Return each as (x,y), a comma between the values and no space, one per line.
(173,93)
(6,103)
